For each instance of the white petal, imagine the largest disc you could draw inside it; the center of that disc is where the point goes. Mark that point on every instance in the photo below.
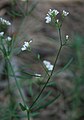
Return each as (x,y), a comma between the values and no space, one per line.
(23,48)
(1,33)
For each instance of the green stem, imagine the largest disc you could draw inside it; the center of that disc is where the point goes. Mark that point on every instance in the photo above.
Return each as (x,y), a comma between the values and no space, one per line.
(59,32)
(48,78)
(28,114)
(27,6)
(51,71)
(9,88)
(18,86)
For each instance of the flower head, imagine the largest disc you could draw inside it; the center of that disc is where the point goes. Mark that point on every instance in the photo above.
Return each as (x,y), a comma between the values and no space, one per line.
(48,65)
(3,21)
(51,13)
(65,13)
(26,45)
(48,19)
(23,48)
(1,33)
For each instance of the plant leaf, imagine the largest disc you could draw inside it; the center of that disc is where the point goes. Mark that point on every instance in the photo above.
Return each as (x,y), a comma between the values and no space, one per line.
(23,108)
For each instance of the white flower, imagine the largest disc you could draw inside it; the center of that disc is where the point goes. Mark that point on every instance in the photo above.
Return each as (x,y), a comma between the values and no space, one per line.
(67,37)
(57,20)
(65,13)
(49,15)
(1,33)
(56,12)
(8,38)
(46,62)
(48,19)
(23,48)
(50,12)
(26,45)
(3,21)
(48,65)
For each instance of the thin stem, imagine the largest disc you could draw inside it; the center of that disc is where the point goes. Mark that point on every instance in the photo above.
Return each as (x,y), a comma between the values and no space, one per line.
(59,30)
(28,114)
(27,6)
(47,73)
(48,78)
(9,88)
(51,71)
(18,86)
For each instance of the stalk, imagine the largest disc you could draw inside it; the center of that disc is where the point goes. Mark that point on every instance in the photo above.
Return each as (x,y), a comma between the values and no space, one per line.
(59,31)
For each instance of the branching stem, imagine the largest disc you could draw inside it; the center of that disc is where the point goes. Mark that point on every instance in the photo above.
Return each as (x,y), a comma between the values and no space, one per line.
(51,71)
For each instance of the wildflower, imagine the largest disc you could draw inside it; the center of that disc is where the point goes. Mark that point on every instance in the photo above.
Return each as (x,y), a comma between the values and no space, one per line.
(48,19)
(65,13)
(46,62)
(3,21)
(26,45)
(1,33)
(50,14)
(48,65)
(8,38)
(67,37)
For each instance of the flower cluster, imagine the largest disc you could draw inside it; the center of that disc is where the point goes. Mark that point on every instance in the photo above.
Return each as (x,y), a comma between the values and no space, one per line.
(26,45)
(50,14)
(5,22)
(64,13)
(53,13)
(48,65)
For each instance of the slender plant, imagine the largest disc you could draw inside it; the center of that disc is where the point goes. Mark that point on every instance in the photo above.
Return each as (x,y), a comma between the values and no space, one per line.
(7,47)
(50,18)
